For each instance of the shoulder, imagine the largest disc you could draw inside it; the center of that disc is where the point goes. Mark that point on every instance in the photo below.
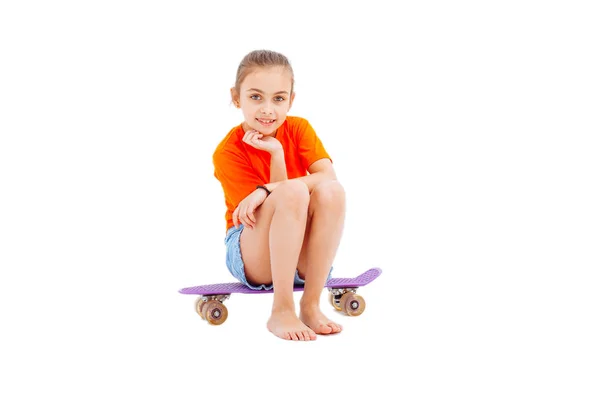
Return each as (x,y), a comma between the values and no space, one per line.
(230,145)
(296,122)
(298,127)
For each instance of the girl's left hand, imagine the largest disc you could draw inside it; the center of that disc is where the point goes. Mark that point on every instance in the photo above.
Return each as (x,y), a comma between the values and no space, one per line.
(244,212)
(261,142)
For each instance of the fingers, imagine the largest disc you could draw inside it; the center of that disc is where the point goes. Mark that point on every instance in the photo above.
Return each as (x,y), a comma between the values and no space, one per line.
(256,139)
(251,218)
(247,222)
(234,217)
(245,216)
(249,136)
(252,138)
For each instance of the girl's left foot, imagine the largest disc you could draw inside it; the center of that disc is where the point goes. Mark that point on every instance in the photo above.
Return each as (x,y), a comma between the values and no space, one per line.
(317,321)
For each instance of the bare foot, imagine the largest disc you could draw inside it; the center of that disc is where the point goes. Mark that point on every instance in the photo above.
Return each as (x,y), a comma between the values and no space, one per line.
(286,325)
(317,321)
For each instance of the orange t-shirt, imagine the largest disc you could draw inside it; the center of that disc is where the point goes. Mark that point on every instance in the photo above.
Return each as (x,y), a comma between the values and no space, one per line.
(240,167)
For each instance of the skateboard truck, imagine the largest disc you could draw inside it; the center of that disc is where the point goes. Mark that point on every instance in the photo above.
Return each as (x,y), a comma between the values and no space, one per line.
(212,309)
(346,300)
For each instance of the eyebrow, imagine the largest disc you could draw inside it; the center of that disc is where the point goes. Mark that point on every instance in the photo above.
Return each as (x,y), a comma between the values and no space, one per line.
(261,92)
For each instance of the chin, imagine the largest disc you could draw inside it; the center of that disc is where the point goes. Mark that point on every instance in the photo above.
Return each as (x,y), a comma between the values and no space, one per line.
(270,131)
(267,130)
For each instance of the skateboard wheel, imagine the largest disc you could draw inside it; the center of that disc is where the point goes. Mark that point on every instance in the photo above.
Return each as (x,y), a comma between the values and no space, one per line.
(352,304)
(334,303)
(199,305)
(214,312)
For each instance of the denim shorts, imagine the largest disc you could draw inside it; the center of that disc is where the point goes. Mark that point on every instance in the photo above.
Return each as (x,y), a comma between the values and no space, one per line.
(235,264)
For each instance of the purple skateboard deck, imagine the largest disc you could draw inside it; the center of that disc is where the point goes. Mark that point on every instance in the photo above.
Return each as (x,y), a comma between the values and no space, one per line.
(237,287)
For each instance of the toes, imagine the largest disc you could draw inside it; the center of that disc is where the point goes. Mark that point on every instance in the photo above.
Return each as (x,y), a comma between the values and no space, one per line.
(335,328)
(325,329)
(301,336)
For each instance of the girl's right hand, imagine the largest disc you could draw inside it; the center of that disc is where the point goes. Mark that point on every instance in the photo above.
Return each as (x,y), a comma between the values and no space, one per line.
(244,212)
(261,142)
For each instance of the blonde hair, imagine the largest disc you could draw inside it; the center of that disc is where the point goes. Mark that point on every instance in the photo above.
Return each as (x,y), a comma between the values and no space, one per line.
(261,58)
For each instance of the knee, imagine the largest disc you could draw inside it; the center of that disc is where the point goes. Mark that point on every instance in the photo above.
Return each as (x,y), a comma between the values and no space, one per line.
(292,193)
(329,194)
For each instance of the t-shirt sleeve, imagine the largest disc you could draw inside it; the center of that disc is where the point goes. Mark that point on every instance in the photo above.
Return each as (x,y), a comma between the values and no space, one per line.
(310,148)
(236,175)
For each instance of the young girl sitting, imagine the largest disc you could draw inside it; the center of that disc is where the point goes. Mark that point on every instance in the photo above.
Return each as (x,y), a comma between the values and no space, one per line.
(285,207)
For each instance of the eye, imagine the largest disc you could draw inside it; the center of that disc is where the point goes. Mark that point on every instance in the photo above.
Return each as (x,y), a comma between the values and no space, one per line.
(255,97)
(279,98)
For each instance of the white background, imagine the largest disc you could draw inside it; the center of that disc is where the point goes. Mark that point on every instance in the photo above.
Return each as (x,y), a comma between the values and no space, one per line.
(463,132)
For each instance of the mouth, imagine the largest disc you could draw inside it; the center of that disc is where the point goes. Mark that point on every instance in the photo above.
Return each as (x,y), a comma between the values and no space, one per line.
(265,122)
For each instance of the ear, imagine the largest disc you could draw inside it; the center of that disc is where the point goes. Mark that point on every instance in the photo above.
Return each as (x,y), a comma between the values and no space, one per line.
(235,97)
(292,97)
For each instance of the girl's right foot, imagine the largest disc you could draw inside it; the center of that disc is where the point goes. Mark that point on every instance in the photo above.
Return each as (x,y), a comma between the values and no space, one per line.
(286,325)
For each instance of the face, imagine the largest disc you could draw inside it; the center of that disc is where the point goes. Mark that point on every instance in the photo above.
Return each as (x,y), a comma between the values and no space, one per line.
(265,99)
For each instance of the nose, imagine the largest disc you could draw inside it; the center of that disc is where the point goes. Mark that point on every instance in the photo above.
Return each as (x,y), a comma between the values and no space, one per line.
(266,111)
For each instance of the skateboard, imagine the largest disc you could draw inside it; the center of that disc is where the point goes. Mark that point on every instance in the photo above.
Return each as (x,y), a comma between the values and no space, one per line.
(342,295)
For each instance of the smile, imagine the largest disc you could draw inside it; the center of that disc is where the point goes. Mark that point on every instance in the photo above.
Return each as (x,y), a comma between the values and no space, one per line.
(265,122)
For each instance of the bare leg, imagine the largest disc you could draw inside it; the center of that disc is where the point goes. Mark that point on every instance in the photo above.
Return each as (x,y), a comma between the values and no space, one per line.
(326,214)
(270,253)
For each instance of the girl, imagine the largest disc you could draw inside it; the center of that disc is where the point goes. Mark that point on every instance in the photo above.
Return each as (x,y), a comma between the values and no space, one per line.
(285,207)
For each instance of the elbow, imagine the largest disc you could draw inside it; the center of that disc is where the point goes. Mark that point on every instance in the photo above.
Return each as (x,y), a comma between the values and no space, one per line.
(330,174)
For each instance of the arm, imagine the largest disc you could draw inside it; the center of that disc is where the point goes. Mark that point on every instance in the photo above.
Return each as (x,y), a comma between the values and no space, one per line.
(278,168)
(320,171)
